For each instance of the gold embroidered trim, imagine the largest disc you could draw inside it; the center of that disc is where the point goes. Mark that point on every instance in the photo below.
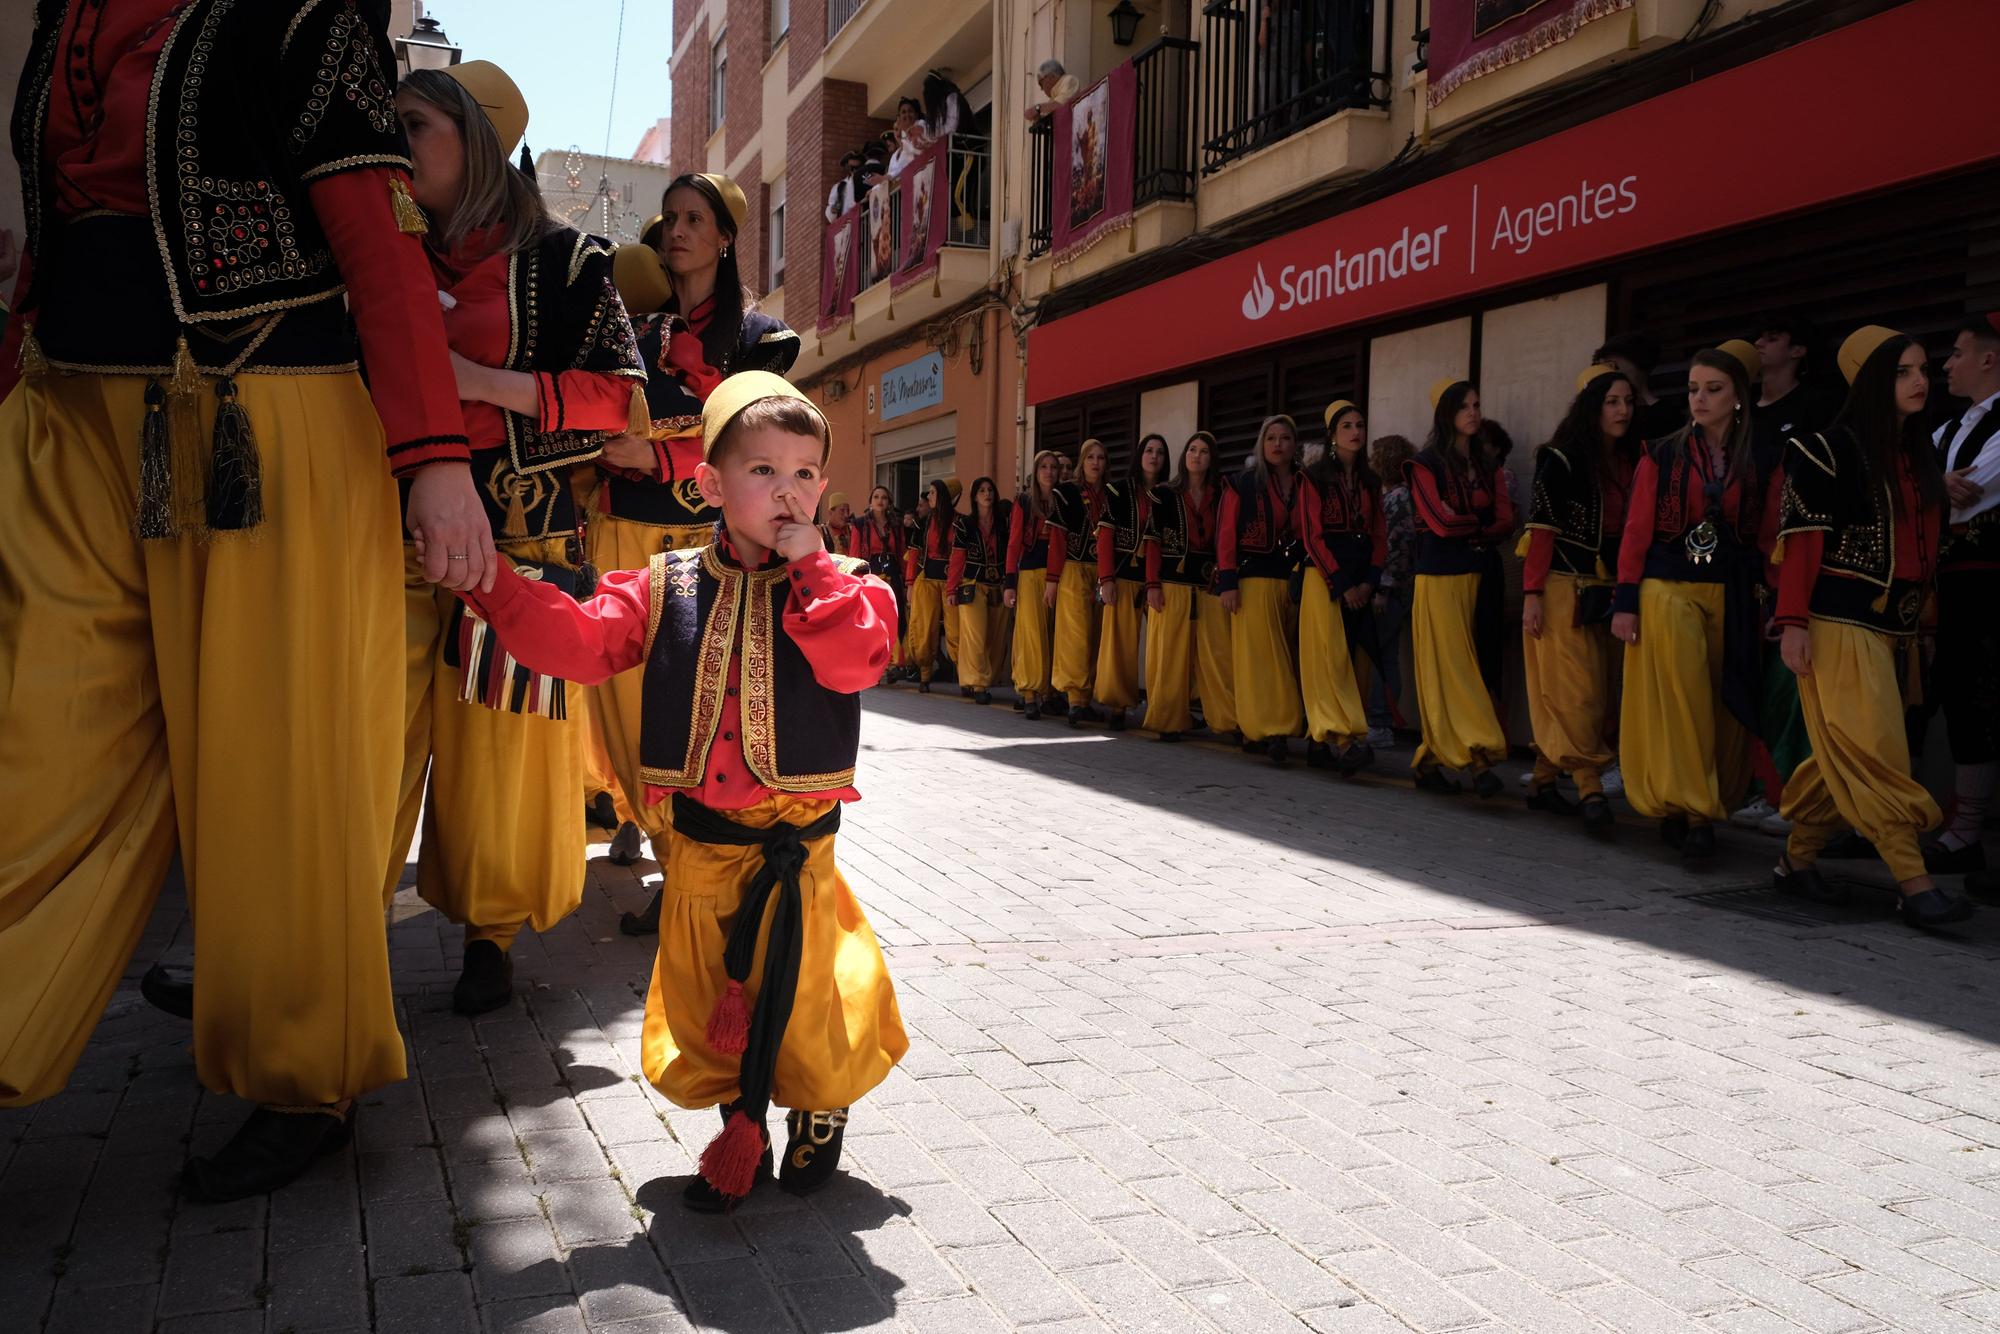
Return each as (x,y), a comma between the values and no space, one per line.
(88,368)
(292,28)
(1822,460)
(656,592)
(711,677)
(363,160)
(778,336)
(760,712)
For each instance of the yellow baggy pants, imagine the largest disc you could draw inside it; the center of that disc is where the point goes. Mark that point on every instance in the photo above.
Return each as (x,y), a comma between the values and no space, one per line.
(1569,690)
(1031,634)
(1215,663)
(1118,646)
(1075,667)
(1682,752)
(1170,661)
(1460,729)
(1267,675)
(1326,672)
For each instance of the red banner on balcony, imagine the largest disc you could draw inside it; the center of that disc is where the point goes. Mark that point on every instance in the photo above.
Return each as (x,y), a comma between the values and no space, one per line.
(840,270)
(878,225)
(922,192)
(1474,37)
(1095,149)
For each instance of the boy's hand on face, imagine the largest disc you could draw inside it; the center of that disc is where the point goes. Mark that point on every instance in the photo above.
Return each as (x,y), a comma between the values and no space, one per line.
(800,537)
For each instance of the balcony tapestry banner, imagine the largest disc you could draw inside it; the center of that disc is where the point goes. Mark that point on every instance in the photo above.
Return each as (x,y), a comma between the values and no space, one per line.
(1095,148)
(878,222)
(840,270)
(921,192)
(1470,38)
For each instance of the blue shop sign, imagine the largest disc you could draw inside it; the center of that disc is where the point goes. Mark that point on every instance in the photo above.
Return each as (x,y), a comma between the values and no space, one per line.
(912,385)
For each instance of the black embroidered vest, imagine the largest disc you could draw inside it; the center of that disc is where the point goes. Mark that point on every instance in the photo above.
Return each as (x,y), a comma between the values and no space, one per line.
(1441,555)
(798,736)
(1828,490)
(1078,517)
(1568,500)
(1266,545)
(1168,526)
(985,557)
(1123,506)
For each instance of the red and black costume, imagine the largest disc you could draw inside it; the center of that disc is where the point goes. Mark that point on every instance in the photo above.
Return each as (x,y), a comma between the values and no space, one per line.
(1257,535)
(1463,513)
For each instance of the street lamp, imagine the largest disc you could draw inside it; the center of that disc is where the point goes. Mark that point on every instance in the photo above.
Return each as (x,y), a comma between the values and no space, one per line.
(1125,18)
(426,47)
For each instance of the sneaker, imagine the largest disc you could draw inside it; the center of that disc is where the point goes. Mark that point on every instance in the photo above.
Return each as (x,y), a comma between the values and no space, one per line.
(1613,781)
(1774,824)
(1528,779)
(1381,737)
(1753,815)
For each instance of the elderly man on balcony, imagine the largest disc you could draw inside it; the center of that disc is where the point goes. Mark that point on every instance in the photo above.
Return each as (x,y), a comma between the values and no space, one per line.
(1057,84)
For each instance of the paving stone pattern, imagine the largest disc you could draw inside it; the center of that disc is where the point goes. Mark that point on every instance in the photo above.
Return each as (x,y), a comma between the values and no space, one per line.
(1196,1044)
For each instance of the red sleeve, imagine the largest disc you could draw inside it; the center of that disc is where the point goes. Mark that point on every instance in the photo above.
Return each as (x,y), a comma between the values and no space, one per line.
(1152,562)
(10,347)
(1107,552)
(393,298)
(1058,545)
(1225,530)
(1638,535)
(550,632)
(1797,573)
(1017,538)
(585,400)
(844,623)
(955,572)
(1541,552)
(1305,518)
(1431,510)
(1503,510)
(913,565)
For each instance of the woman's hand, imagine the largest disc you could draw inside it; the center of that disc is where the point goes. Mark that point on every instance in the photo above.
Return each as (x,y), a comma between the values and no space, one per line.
(1232,602)
(1357,597)
(473,378)
(1795,646)
(1531,615)
(1625,626)
(1107,592)
(1156,598)
(1007,596)
(1049,596)
(634,453)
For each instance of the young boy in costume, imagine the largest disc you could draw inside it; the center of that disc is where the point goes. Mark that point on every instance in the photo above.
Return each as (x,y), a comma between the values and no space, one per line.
(769,985)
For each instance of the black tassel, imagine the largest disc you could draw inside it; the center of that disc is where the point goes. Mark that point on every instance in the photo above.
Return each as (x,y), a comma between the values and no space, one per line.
(236,480)
(586,581)
(527,161)
(155,518)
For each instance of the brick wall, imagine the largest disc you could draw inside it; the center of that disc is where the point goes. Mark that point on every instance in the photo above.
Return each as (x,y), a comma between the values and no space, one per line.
(685,12)
(808,39)
(689,79)
(750,257)
(749,44)
(826,123)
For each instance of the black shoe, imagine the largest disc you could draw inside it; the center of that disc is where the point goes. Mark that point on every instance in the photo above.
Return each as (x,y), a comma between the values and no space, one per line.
(1021,704)
(626,845)
(1983,886)
(1167,736)
(485,981)
(1939,860)
(170,989)
(1248,746)
(812,1152)
(706,1199)
(600,813)
(1319,755)
(1550,801)
(645,922)
(1355,758)
(271,1148)
(1934,907)
(1115,719)
(923,687)
(1597,816)
(1279,750)
(1808,883)
(965,692)
(1433,779)
(982,697)
(1849,847)
(1674,831)
(1488,785)
(1699,844)
(1032,711)
(1056,708)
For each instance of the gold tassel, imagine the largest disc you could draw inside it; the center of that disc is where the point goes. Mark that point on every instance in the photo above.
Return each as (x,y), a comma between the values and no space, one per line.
(638,418)
(1527,539)
(186,379)
(516,527)
(236,478)
(410,218)
(32,362)
(155,515)
(1880,604)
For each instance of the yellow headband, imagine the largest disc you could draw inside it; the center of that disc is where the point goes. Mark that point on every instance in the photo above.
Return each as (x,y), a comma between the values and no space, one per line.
(732,197)
(1443,387)
(1335,408)
(1592,371)
(650,233)
(738,392)
(1860,346)
(641,278)
(1746,356)
(835,501)
(498,96)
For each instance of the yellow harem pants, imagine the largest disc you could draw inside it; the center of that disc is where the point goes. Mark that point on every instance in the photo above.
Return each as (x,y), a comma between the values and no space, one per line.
(237,695)
(503,840)
(623,544)
(1460,729)
(980,622)
(1266,672)
(1031,635)
(1569,690)
(927,614)
(1859,770)
(1681,752)
(1118,645)
(1170,661)
(1214,663)
(1334,714)
(845,1033)
(1076,633)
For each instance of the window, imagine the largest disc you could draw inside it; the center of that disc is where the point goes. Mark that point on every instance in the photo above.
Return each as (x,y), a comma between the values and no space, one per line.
(777,231)
(718,82)
(781,21)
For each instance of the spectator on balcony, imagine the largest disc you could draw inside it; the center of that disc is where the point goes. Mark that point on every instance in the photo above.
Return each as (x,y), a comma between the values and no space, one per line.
(912,135)
(946,112)
(847,189)
(1058,86)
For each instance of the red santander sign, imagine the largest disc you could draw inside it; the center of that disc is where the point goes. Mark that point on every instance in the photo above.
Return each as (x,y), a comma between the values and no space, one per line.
(1677,166)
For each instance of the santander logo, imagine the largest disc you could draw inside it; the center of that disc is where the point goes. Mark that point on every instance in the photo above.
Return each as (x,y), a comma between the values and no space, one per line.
(1257,302)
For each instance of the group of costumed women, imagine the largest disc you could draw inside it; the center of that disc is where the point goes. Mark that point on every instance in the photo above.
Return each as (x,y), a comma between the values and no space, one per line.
(242,611)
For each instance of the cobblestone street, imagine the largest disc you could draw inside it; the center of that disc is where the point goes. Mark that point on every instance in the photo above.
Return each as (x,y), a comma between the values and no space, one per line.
(1196,1044)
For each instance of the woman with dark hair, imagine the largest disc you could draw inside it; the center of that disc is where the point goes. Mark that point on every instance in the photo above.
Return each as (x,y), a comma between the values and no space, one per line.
(695,324)
(1028,548)
(548,372)
(1180,568)
(1463,513)
(1256,550)
(1689,573)
(1576,515)
(1346,542)
(1072,587)
(972,585)
(1858,532)
(1121,576)
(927,565)
(946,111)
(878,539)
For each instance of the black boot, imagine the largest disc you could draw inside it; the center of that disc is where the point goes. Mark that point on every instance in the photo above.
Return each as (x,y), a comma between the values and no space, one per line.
(923,687)
(1550,801)
(1700,843)
(600,812)
(1597,817)
(1807,883)
(645,922)
(271,1148)
(1319,755)
(170,989)
(982,697)
(1674,831)
(626,845)
(1934,907)
(486,981)
(1487,785)
(1435,780)
(1115,719)
(1168,736)
(812,1152)
(1032,710)
(1280,751)
(1358,756)
(706,1199)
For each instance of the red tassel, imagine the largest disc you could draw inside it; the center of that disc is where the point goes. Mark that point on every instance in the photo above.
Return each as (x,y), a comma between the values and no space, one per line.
(729,1026)
(729,1163)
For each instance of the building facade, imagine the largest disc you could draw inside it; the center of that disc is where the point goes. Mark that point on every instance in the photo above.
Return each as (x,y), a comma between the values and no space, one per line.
(606,196)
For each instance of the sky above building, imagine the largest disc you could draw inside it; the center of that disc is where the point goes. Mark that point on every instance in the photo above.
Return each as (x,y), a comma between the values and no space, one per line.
(562,56)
